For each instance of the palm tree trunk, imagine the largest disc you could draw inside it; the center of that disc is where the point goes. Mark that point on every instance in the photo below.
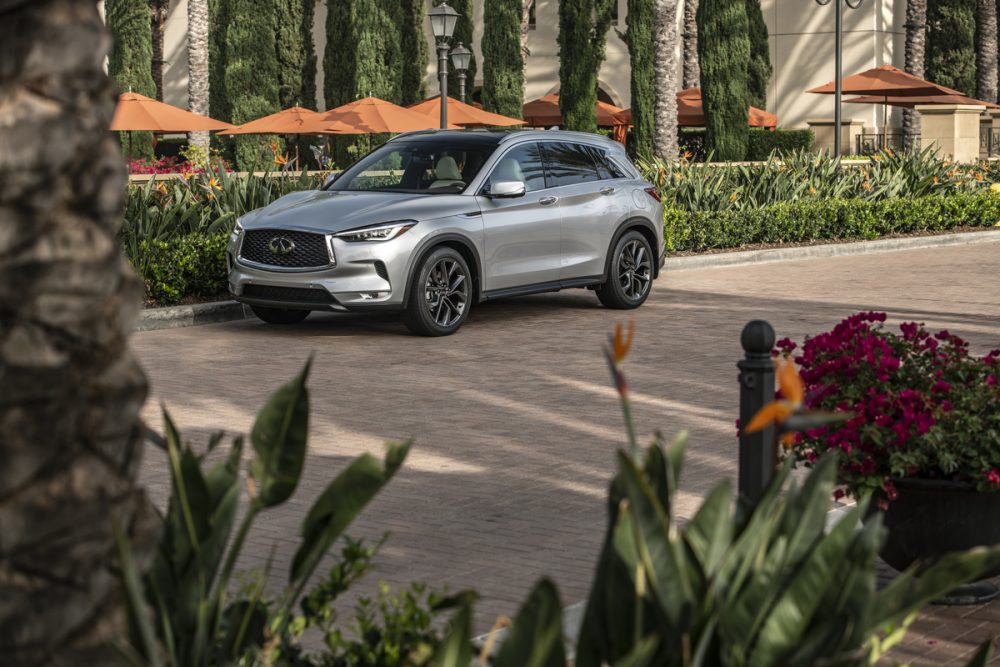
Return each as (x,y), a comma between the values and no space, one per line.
(692,73)
(665,78)
(986,50)
(70,391)
(158,22)
(525,51)
(198,65)
(916,42)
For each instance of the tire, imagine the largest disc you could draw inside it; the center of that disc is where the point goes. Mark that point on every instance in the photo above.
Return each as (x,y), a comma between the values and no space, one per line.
(441,294)
(280,315)
(630,273)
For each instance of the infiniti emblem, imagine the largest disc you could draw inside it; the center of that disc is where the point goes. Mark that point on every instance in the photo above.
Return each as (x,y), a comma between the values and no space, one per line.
(281,245)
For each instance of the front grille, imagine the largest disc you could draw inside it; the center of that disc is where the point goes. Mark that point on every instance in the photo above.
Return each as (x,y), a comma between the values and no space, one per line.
(305,250)
(289,294)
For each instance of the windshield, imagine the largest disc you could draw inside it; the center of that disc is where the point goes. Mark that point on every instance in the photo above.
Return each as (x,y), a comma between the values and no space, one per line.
(422,167)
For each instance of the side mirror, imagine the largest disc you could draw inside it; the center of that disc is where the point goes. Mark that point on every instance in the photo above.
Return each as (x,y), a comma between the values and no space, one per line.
(507,189)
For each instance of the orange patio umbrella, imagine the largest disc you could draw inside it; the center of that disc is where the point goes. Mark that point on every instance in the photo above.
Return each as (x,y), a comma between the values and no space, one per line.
(371,115)
(137,112)
(691,113)
(545,111)
(460,113)
(885,82)
(910,102)
(295,120)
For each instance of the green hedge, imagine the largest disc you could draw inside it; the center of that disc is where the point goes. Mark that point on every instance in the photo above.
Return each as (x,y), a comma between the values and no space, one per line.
(188,266)
(828,219)
(764,142)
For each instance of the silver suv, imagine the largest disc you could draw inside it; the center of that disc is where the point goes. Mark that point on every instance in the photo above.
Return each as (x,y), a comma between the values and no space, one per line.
(433,222)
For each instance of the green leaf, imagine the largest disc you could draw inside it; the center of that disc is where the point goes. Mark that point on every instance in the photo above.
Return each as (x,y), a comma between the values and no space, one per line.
(641,654)
(456,649)
(661,551)
(793,612)
(710,532)
(340,502)
(907,592)
(536,638)
(279,438)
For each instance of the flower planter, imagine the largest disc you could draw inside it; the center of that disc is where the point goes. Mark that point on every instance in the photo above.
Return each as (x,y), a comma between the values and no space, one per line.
(930,518)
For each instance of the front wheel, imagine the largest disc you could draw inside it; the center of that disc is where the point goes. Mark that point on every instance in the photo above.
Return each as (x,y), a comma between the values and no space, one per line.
(440,295)
(280,315)
(630,274)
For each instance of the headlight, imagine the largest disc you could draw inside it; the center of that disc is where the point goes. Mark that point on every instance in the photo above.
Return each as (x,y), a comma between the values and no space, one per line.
(381,232)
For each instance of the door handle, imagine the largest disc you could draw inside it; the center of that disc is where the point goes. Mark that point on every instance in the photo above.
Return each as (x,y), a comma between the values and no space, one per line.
(545,201)
(609,190)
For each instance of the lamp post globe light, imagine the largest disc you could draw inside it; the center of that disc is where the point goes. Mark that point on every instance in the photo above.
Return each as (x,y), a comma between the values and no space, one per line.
(838,64)
(460,59)
(443,19)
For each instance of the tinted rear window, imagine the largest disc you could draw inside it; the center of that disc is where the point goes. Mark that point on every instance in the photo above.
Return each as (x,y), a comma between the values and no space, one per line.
(568,164)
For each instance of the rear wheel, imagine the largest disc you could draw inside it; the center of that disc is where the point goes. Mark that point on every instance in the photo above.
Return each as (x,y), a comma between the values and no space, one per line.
(630,274)
(440,296)
(280,315)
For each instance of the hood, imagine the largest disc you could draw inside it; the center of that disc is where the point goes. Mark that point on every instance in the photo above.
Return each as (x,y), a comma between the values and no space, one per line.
(333,211)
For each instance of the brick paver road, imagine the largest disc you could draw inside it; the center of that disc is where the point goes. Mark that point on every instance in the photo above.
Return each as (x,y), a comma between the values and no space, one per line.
(514,422)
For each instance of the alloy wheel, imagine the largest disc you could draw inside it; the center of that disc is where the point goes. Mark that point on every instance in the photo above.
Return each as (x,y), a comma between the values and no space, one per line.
(635,269)
(446,292)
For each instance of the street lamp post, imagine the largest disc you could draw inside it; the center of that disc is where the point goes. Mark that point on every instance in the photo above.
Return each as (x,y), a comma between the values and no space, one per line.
(460,58)
(443,19)
(838,58)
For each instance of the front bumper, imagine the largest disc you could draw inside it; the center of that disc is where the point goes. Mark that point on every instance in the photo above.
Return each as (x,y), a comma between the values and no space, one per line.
(366,276)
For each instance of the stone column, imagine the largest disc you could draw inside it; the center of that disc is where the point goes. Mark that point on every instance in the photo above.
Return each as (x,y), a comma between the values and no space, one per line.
(951,128)
(823,129)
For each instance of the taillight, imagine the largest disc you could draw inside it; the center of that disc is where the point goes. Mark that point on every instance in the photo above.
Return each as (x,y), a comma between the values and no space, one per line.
(653,192)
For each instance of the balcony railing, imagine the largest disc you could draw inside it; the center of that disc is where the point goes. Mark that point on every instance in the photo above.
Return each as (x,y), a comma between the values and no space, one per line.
(869,144)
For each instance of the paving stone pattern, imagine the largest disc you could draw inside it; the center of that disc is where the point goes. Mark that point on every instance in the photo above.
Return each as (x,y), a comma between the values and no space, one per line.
(514,421)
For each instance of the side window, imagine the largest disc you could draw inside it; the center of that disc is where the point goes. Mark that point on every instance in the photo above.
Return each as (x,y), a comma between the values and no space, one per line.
(568,164)
(606,166)
(522,163)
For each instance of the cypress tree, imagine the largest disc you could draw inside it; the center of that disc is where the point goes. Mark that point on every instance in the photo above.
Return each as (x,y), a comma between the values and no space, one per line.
(130,62)
(218,20)
(583,35)
(759,66)
(338,65)
(639,38)
(290,50)
(503,71)
(251,75)
(464,34)
(951,44)
(309,61)
(723,53)
(413,52)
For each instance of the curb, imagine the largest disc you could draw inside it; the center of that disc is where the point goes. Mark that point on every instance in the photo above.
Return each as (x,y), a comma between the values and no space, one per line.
(173,317)
(828,250)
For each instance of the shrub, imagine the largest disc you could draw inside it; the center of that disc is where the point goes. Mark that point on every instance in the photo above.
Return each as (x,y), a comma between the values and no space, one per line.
(828,219)
(761,143)
(193,265)
(923,407)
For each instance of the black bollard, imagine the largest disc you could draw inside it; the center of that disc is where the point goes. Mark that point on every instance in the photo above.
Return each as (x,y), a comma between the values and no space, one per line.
(758,453)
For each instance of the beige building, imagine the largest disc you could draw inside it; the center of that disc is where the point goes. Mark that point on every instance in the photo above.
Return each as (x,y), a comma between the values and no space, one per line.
(801,40)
